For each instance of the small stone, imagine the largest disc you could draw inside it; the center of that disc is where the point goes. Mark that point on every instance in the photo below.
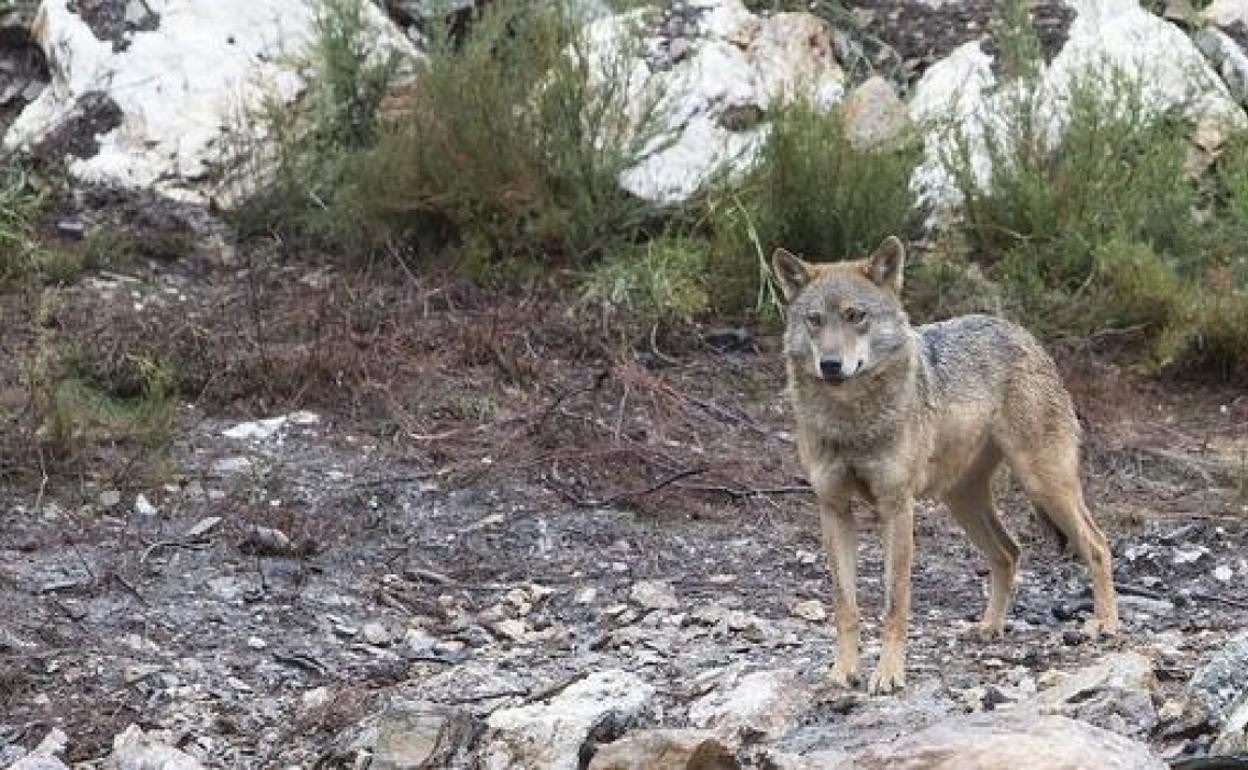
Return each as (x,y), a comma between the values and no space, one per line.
(586,596)
(256,643)
(314,699)
(722,579)
(810,609)
(1223,574)
(515,630)
(109,498)
(143,507)
(227,466)
(376,634)
(1190,555)
(203,527)
(654,595)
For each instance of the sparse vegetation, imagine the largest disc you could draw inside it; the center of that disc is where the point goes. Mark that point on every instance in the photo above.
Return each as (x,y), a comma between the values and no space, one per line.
(22,255)
(1107,229)
(74,421)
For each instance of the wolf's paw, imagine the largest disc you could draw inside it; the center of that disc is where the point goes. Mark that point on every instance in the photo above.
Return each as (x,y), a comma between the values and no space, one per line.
(1101,627)
(845,677)
(887,679)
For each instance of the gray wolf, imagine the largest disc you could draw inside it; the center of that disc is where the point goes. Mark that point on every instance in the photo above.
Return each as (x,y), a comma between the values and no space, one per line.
(888,413)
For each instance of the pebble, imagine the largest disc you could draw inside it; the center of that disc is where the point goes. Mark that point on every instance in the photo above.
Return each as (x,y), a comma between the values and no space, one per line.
(144,507)
(810,609)
(256,643)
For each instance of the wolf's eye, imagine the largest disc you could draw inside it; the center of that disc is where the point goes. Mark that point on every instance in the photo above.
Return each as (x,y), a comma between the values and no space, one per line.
(853,315)
(814,318)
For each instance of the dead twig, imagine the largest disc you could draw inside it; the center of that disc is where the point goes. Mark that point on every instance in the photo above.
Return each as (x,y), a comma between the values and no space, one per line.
(740,494)
(635,493)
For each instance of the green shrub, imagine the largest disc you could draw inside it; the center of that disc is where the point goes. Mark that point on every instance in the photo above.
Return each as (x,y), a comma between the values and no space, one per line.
(1099,230)
(22,256)
(813,193)
(818,195)
(512,138)
(656,284)
(309,143)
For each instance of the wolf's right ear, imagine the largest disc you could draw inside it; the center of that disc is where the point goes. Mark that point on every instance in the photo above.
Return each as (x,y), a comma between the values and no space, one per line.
(789,273)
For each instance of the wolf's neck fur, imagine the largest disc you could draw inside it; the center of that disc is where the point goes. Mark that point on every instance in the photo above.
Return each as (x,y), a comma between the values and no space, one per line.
(865,411)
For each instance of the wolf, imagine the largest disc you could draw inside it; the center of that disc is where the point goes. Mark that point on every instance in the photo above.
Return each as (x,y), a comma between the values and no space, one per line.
(887,413)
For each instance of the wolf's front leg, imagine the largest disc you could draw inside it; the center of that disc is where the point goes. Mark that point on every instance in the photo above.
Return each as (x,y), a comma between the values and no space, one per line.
(840,540)
(897,528)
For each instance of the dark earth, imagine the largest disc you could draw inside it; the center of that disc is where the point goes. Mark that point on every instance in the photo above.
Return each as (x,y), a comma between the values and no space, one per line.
(472,457)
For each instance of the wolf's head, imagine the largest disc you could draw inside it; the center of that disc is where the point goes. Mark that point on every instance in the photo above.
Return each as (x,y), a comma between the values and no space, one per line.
(843,318)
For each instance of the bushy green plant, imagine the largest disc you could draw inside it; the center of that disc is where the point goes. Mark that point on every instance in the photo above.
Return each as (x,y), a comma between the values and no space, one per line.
(658,283)
(308,144)
(817,194)
(22,256)
(813,192)
(1091,223)
(512,137)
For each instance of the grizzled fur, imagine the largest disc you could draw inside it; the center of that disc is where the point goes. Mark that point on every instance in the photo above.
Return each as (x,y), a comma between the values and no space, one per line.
(887,413)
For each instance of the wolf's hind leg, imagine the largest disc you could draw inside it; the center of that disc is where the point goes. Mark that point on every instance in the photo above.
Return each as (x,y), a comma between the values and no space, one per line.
(1051,478)
(970,502)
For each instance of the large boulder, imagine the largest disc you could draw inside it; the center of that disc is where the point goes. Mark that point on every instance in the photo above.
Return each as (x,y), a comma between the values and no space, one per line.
(761,705)
(1224,40)
(159,102)
(1220,686)
(553,735)
(135,750)
(707,71)
(1115,693)
(962,93)
(1005,741)
(666,750)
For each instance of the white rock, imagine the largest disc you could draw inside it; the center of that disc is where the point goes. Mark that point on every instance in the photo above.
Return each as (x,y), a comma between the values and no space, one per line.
(181,88)
(654,595)
(764,703)
(256,643)
(549,736)
(1223,573)
(144,507)
(43,756)
(203,526)
(109,498)
(1007,741)
(228,466)
(810,609)
(134,750)
(732,60)
(513,629)
(1226,13)
(666,750)
(260,430)
(376,633)
(957,93)
(314,699)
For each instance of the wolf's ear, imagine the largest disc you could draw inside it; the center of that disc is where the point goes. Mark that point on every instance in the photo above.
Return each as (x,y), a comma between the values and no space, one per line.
(887,265)
(789,273)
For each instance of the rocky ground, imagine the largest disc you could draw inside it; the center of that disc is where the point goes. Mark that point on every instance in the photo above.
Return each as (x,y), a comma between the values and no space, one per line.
(313,587)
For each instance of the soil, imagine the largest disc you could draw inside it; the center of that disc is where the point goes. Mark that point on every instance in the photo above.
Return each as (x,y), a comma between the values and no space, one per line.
(465,443)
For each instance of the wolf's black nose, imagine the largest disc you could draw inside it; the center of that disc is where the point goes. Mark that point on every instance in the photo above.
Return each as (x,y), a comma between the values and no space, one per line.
(830,368)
